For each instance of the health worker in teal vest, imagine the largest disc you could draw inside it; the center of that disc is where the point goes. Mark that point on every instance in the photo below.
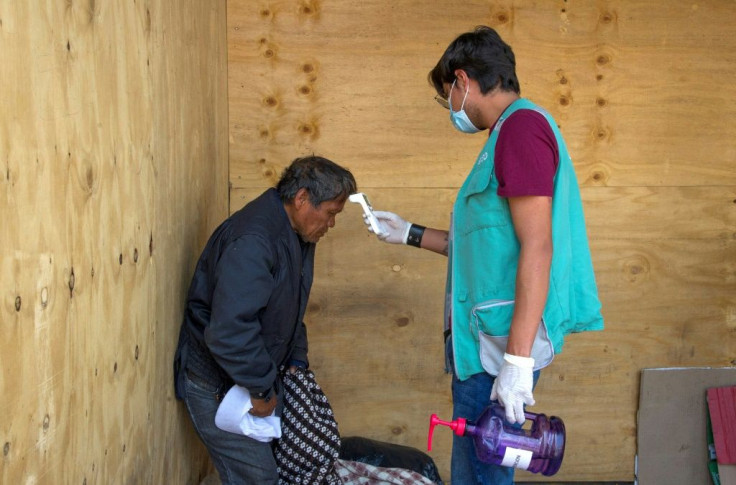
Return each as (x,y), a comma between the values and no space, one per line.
(520,275)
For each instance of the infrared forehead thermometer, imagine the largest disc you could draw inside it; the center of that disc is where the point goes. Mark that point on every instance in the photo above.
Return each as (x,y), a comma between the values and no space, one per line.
(360,198)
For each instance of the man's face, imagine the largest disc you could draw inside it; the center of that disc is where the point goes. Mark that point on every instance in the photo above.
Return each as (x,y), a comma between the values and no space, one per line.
(311,222)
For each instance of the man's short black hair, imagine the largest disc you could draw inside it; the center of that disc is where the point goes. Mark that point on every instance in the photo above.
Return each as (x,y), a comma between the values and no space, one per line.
(484,56)
(322,178)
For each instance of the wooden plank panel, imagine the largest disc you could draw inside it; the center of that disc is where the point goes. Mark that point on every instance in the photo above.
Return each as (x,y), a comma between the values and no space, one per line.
(105,203)
(622,85)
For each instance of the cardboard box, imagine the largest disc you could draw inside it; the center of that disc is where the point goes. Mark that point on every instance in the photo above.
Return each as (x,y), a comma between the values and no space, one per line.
(671,424)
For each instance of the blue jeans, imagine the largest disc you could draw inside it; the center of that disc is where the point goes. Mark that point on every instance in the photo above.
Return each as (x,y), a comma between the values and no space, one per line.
(470,397)
(239,460)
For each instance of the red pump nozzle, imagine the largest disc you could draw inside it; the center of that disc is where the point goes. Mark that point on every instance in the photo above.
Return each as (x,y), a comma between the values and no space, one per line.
(458,426)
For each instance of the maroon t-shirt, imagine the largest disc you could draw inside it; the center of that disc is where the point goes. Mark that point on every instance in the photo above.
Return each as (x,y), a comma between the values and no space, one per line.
(526,155)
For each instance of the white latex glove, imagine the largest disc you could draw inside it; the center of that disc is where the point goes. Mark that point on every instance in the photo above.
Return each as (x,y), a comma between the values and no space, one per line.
(397,228)
(513,386)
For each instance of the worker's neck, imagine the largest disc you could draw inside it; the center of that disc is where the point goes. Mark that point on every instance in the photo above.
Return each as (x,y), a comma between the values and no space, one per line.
(494,104)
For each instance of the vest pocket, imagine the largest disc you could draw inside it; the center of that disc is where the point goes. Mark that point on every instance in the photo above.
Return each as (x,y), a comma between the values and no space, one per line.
(477,206)
(479,180)
(492,321)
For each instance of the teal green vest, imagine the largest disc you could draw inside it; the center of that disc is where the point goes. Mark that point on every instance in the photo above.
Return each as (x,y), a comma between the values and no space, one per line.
(484,253)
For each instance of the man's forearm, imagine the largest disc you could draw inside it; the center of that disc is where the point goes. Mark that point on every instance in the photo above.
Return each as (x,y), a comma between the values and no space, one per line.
(532,285)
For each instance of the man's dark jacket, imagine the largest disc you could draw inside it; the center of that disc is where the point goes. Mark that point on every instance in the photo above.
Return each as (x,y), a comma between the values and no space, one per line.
(245,307)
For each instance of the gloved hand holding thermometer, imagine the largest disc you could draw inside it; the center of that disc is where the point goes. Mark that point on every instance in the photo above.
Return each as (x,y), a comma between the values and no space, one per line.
(395,230)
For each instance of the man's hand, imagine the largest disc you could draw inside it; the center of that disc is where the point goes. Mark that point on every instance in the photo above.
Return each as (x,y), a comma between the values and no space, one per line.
(263,407)
(513,386)
(396,227)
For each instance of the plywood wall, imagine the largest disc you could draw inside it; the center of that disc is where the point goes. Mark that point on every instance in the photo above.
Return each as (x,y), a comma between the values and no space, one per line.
(113,171)
(643,91)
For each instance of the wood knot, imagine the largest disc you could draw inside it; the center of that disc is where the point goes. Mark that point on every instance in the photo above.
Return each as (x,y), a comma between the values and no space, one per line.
(271,101)
(603,59)
(305,90)
(71,281)
(46,422)
(308,129)
(402,321)
(636,269)
(602,134)
(136,352)
(307,8)
(150,245)
(90,178)
(565,101)
(120,259)
(17,303)
(6,448)
(599,77)
(607,17)
(44,297)
(265,13)
(135,255)
(115,368)
(397,430)
(268,53)
(502,17)
(599,176)
(561,77)
(602,103)
(307,68)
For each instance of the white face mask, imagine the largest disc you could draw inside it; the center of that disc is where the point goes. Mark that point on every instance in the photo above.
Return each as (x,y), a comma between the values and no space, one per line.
(460,118)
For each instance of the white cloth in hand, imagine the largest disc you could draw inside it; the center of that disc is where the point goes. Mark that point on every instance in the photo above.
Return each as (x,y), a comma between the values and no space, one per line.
(513,386)
(233,416)
(397,229)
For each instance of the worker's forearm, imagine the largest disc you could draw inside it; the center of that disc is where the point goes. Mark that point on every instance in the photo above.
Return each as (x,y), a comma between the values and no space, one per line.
(435,240)
(532,285)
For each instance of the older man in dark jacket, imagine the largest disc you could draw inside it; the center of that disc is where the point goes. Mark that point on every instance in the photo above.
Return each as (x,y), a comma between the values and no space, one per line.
(244,313)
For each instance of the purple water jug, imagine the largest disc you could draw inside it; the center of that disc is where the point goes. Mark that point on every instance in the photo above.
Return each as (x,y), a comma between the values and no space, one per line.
(538,450)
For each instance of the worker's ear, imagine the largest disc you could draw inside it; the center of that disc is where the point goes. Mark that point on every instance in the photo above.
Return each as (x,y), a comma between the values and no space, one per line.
(461,79)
